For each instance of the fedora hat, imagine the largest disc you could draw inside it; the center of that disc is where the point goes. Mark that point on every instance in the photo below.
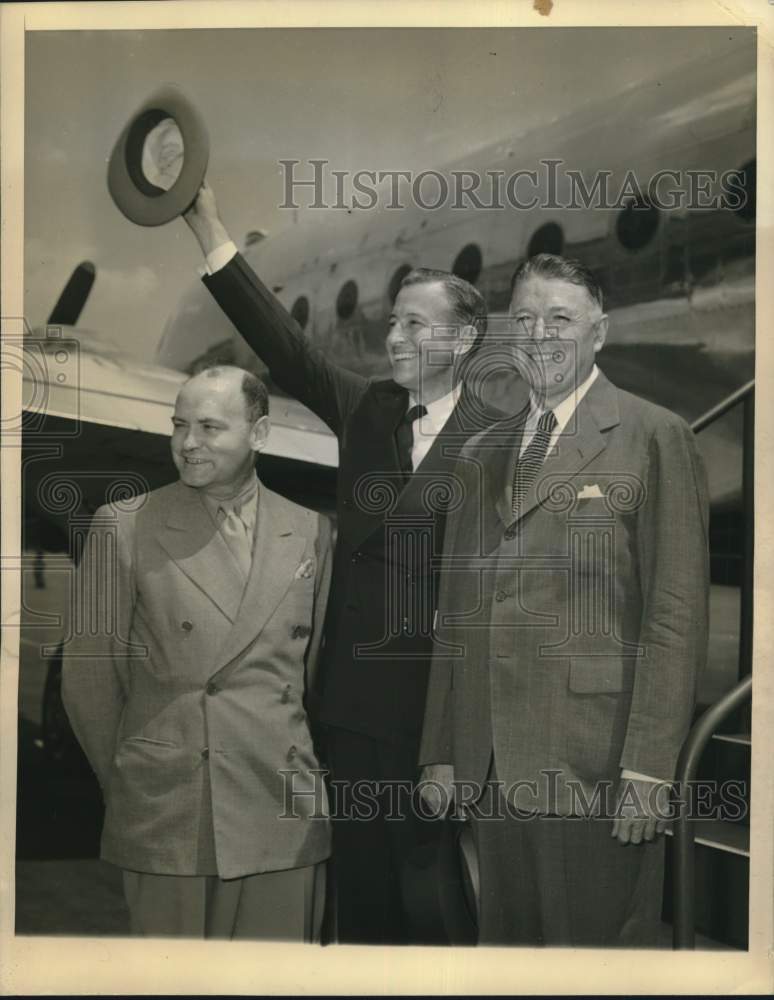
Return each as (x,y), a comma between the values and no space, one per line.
(440,887)
(159,160)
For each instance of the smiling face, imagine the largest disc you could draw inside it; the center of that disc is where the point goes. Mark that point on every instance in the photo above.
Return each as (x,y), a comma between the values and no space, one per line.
(565,327)
(214,442)
(425,335)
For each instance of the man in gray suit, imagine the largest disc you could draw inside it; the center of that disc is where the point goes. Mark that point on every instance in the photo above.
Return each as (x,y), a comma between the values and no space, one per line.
(201,607)
(572,623)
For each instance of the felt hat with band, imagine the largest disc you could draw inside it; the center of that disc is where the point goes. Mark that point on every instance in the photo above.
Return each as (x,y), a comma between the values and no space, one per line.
(159,161)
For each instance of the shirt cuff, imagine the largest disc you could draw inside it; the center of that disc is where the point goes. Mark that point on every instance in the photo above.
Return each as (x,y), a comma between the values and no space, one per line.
(218,258)
(636,776)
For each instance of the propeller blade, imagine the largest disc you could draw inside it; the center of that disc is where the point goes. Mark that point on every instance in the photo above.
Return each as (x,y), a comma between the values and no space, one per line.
(74,295)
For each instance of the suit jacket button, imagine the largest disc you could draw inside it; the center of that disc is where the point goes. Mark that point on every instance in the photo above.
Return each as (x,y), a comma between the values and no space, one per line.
(205,753)
(292,753)
(501,596)
(212,688)
(186,625)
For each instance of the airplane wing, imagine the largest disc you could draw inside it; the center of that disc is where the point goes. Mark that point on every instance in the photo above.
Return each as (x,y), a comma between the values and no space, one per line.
(104,388)
(93,419)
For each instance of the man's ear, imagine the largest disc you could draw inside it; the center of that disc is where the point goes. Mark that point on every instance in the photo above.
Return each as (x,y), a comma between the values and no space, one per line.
(600,333)
(467,338)
(259,433)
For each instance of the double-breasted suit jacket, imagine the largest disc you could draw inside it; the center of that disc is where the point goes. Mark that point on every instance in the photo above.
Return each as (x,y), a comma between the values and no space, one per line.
(570,637)
(189,695)
(390,535)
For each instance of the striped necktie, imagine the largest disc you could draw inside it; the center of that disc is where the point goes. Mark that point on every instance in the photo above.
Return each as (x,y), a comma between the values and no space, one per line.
(233,529)
(528,466)
(404,438)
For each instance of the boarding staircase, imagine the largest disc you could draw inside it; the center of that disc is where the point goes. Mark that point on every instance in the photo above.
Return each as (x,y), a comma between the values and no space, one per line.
(708,865)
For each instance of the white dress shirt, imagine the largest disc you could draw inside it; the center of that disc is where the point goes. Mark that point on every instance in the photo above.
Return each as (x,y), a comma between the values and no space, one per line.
(427,428)
(563,412)
(219,257)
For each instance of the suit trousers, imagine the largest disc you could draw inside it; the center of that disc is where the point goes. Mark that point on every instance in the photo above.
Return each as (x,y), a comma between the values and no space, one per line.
(563,880)
(272,906)
(375,827)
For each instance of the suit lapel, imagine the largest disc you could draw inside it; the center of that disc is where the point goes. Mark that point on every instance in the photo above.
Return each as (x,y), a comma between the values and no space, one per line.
(500,464)
(193,541)
(440,459)
(277,554)
(580,442)
(392,401)
(369,456)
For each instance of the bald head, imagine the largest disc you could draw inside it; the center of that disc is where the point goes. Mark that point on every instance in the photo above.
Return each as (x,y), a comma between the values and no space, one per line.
(256,398)
(219,426)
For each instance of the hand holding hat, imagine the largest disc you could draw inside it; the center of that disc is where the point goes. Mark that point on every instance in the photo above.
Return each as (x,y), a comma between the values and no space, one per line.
(159,161)
(203,220)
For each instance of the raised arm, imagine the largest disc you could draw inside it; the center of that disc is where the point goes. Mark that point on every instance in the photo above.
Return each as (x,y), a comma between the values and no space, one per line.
(300,369)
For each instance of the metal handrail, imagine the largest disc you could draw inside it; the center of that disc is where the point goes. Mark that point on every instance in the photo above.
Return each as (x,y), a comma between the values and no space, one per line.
(723,407)
(684,888)
(683,926)
(745,395)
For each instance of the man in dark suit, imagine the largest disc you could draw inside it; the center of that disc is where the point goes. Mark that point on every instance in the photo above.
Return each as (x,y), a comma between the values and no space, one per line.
(570,635)
(398,440)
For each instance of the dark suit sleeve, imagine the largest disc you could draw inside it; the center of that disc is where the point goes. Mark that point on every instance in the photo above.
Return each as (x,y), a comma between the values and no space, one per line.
(672,542)
(94,657)
(296,366)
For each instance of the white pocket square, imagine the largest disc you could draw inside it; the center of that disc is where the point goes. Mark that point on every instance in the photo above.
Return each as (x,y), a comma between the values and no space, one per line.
(305,570)
(590,491)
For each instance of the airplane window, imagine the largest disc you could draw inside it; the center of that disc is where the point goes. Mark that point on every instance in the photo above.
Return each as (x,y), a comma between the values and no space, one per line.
(547,239)
(748,176)
(394,286)
(300,311)
(637,224)
(468,262)
(346,300)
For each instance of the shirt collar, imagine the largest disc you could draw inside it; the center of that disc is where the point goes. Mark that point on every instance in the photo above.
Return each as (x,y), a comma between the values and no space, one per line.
(440,410)
(246,500)
(564,409)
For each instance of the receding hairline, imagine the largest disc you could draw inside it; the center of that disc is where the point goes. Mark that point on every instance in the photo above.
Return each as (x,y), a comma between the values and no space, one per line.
(216,372)
(255,397)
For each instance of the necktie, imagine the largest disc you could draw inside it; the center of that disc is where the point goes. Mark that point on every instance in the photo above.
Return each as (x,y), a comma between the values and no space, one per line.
(404,438)
(528,466)
(233,529)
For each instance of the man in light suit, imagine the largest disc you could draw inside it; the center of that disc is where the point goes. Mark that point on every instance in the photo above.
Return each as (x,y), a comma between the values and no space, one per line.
(572,625)
(198,620)
(398,442)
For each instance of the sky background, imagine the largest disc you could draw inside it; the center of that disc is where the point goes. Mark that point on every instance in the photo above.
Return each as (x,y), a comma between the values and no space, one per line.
(363,99)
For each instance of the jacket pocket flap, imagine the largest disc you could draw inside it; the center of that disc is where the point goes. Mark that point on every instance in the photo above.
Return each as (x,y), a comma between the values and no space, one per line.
(601,675)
